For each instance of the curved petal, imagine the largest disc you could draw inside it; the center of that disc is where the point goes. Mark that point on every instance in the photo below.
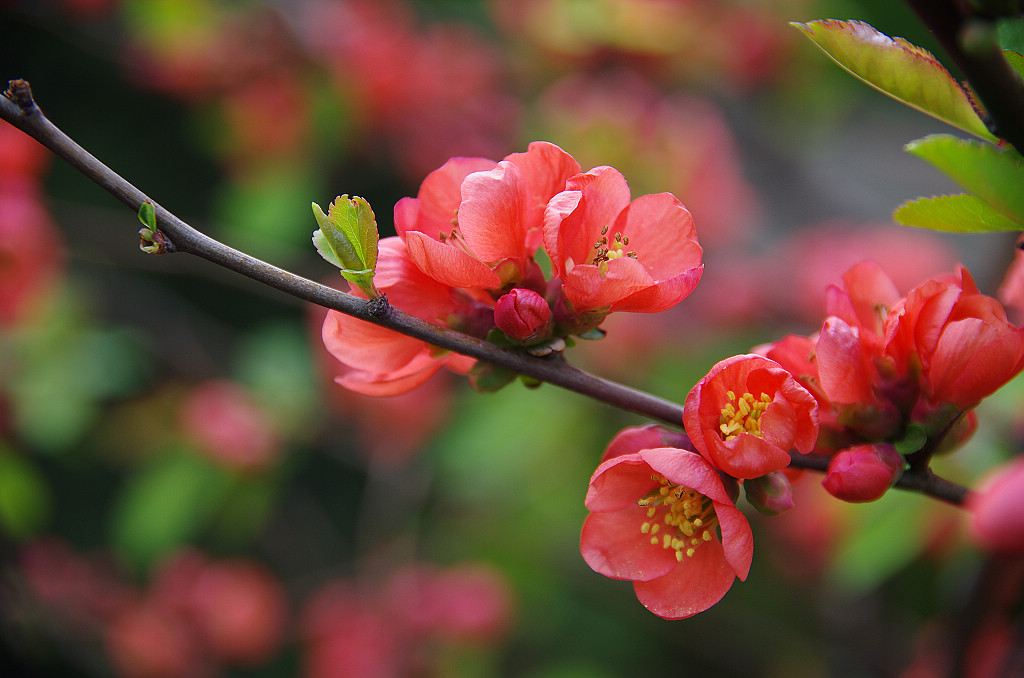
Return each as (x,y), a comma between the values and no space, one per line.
(688,469)
(440,194)
(491,214)
(447,264)
(613,545)
(391,383)
(619,483)
(661,232)
(843,366)
(747,456)
(545,169)
(737,538)
(558,215)
(662,295)
(635,438)
(367,347)
(588,288)
(693,586)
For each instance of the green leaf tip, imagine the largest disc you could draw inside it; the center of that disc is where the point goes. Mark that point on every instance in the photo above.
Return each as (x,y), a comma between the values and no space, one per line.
(898,69)
(962,213)
(347,238)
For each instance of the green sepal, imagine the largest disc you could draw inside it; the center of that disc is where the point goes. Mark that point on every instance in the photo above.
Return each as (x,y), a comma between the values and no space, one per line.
(530,382)
(897,68)
(348,238)
(961,213)
(488,378)
(995,175)
(913,440)
(496,336)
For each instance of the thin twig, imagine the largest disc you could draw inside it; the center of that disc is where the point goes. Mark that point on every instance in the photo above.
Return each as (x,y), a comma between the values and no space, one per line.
(18,108)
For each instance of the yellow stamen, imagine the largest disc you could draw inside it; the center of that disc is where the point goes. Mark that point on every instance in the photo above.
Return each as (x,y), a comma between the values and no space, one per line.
(691,514)
(744,416)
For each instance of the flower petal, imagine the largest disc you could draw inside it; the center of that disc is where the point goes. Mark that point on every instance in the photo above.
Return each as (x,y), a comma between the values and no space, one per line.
(491,213)
(613,545)
(693,586)
(618,483)
(447,264)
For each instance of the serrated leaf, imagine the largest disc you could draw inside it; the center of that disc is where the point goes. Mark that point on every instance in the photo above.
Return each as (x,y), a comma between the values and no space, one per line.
(995,175)
(897,68)
(348,239)
(1016,61)
(960,213)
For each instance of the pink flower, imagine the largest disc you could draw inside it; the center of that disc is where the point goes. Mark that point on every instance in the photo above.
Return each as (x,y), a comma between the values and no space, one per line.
(382,362)
(966,346)
(523,315)
(476,223)
(615,255)
(997,509)
(663,519)
(747,414)
(863,473)
(227,425)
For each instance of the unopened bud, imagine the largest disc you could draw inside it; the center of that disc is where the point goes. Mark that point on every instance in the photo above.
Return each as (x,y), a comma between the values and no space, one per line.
(863,473)
(523,315)
(770,494)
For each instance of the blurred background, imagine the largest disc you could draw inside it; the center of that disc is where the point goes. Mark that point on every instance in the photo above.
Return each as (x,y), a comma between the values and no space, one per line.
(185,493)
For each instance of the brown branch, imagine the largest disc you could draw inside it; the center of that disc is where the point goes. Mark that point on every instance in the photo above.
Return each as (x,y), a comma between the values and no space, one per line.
(18,108)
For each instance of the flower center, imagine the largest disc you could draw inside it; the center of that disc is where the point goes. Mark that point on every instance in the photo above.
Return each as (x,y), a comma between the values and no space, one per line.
(742,415)
(605,250)
(687,517)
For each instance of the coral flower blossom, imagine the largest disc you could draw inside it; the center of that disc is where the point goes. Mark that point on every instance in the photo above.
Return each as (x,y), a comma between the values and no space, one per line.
(746,415)
(615,255)
(476,223)
(663,519)
(997,510)
(383,362)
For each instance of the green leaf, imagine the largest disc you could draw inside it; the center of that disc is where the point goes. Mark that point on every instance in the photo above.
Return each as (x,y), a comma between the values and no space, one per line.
(1016,61)
(961,213)
(1011,33)
(898,69)
(995,175)
(348,239)
(915,438)
(147,215)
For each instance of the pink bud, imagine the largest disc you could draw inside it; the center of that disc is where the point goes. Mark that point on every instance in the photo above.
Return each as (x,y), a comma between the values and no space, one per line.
(770,494)
(863,473)
(998,510)
(523,315)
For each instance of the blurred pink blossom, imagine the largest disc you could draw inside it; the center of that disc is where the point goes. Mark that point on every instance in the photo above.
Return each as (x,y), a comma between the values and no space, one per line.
(230,427)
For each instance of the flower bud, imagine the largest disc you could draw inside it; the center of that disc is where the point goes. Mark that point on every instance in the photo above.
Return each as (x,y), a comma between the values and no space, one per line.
(523,315)
(997,522)
(769,494)
(863,473)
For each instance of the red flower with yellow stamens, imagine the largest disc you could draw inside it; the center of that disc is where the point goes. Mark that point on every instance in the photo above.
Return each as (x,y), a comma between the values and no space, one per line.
(747,414)
(663,519)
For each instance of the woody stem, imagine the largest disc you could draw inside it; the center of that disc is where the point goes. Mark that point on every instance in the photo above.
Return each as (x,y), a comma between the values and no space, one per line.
(19,109)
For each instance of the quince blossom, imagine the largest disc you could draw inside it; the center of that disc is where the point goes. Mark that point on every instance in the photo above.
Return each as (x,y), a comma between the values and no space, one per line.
(383,362)
(746,415)
(664,519)
(615,255)
(476,223)
(997,510)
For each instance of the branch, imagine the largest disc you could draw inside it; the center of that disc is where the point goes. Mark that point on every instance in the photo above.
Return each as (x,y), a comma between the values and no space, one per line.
(971,41)
(18,108)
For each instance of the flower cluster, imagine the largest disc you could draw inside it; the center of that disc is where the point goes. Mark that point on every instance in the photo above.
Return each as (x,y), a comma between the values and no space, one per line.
(464,258)
(896,378)
(662,504)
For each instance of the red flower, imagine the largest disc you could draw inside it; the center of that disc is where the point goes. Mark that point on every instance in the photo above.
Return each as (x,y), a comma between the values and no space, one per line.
(997,510)
(476,223)
(966,346)
(863,473)
(746,415)
(382,362)
(523,315)
(615,255)
(662,518)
